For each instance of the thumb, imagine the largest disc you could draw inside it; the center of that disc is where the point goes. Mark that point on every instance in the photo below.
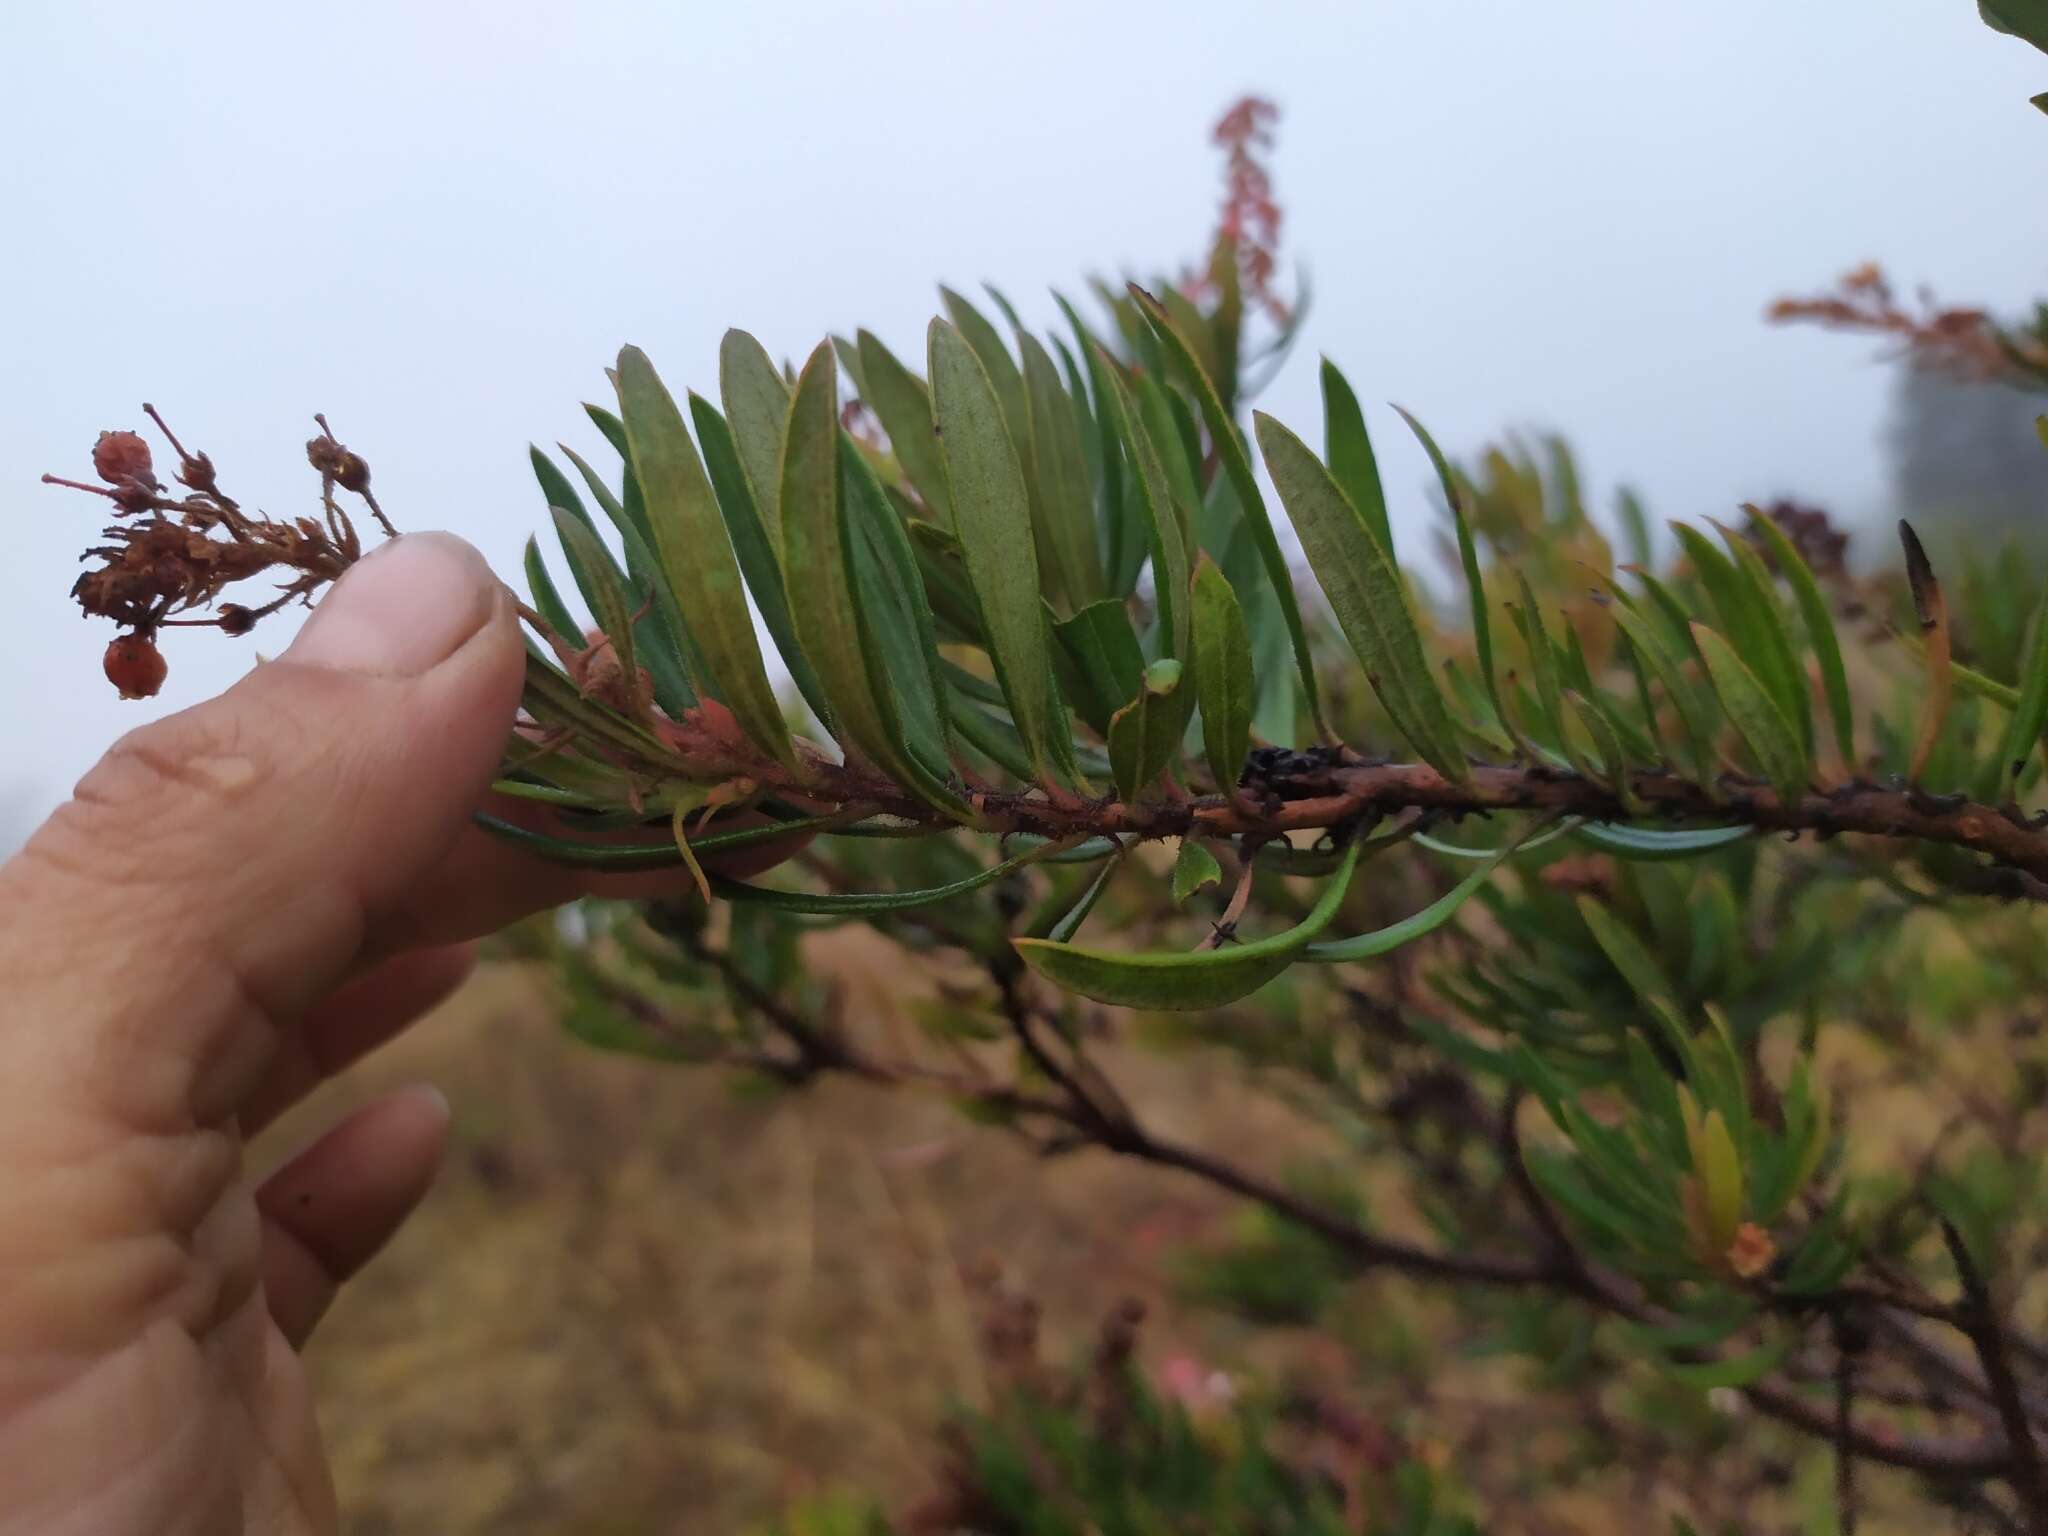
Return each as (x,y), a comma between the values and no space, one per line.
(223,868)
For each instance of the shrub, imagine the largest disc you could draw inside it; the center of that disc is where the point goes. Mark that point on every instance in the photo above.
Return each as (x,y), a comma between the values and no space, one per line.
(1608,912)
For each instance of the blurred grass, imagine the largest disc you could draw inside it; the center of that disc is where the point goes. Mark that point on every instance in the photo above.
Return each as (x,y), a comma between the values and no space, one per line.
(638,1302)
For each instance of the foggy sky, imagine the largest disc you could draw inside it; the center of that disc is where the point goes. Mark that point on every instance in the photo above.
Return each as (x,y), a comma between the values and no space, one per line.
(437,222)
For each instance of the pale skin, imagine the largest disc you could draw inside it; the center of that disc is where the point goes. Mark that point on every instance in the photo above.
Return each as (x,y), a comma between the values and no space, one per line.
(237,902)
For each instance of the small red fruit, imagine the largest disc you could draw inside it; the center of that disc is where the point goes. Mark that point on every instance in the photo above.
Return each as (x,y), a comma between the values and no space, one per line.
(135,666)
(119,456)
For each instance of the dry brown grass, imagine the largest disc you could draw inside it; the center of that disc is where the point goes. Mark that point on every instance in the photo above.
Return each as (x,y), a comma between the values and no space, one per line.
(639,1303)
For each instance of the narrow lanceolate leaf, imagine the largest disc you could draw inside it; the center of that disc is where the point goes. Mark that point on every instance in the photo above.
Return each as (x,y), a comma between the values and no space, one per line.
(748,520)
(1193,867)
(1206,978)
(1223,674)
(1069,924)
(1749,615)
(1066,504)
(904,405)
(1651,649)
(756,402)
(1146,733)
(1105,664)
(986,342)
(1369,946)
(696,554)
(1475,584)
(627,858)
(1542,663)
(1237,465)
(828,618)
(1652,844)
(1613,760)
(1639,968)
(1930,608)
(897,630)
(547,601)
(1364,589)
(859,903)
(1150,494)
(608,602)
(1771,737)
(1124,544)
(1756,575)
(1820,631)
(992,514)
(1348,449)
(2030,713)
(668,660)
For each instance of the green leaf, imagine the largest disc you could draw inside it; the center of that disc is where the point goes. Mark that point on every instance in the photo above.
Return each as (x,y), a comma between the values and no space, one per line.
(1206,978)
(1223,674)
(1066,504)
(1635,522)
(1650,649)
(1475,584)
(1820,631)
(1106,665)
(1736,1371)
(859,904)
(828,618)
(627,858)
(2026,19)
(1237,465)
(667,659)
(1777,634)
(1348,449)
(1756,715)
(1639,968)
(1651,844)
(546,600)
(1542,663)
(608,599)
(1193,867)
(1368,946)
(696,554)
(897,631)
(749,529)
(992,514)
(986,342)
(756,402)
(904,406)
(1749,613)
(1124,542)
(1613,760)
(1365,590)
(1146,733)
(1063,931)
(1153,499)
(2024,726)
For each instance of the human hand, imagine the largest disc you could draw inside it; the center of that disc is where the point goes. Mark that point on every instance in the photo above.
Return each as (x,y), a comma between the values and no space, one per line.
(237,902)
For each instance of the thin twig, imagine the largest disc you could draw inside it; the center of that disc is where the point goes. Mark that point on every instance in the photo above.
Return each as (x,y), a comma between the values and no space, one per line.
(1981,1323)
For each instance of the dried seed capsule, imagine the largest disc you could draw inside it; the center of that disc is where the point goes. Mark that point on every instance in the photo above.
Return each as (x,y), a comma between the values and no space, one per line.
(119,456)
(135,666)
(352,474)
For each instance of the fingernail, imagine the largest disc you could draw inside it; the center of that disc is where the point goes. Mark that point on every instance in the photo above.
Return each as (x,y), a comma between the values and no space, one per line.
(401,610)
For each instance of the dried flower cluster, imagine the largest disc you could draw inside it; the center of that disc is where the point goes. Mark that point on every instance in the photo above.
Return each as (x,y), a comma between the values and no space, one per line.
(1964,342)
(1820,543)
(1248,225)
(167,555)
